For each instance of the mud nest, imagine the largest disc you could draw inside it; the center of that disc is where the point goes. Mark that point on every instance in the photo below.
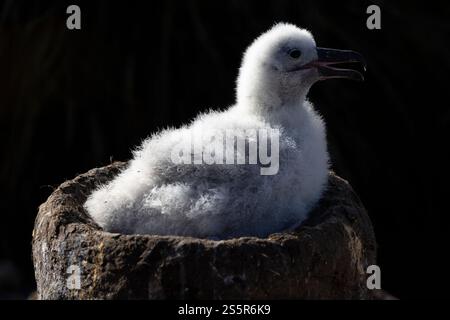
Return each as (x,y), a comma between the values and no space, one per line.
(325,258)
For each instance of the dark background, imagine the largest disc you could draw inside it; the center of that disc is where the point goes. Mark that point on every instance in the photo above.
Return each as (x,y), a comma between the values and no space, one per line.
(72,100)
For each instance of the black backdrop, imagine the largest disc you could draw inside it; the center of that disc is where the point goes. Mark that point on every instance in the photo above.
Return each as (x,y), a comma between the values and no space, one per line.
(72,100)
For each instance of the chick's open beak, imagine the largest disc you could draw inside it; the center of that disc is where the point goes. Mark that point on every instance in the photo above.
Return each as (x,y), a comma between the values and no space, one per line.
(328,57)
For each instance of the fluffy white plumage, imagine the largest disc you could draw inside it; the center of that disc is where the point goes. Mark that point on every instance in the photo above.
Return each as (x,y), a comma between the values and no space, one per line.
(153,195)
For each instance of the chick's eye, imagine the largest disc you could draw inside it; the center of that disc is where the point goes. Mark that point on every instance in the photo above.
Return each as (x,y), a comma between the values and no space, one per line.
(295,53)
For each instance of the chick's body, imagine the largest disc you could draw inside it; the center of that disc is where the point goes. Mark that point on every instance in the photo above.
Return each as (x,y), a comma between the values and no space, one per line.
(155,195)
